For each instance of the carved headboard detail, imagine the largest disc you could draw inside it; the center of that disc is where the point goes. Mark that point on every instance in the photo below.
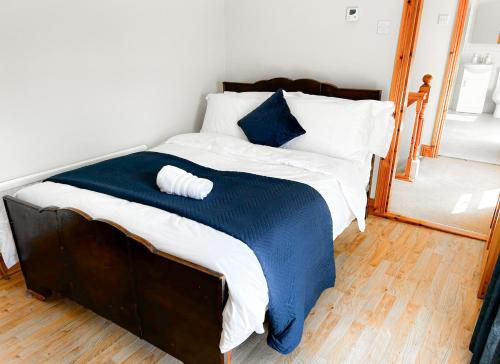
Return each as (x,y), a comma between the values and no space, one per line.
(304,85)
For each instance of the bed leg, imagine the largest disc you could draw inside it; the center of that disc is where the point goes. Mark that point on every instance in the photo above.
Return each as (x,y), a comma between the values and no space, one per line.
(35,295)
(4,272)
(227,358)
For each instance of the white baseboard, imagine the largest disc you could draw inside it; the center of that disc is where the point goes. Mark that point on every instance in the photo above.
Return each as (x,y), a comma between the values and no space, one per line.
(21,181)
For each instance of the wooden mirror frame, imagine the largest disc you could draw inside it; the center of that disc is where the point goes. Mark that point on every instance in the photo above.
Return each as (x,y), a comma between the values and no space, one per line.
(432,150)
(408,35)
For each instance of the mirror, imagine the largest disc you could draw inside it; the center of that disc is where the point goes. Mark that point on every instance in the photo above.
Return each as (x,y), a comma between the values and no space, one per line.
(486,22)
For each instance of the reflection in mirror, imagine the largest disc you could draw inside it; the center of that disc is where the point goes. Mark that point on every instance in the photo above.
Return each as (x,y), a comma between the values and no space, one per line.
(405,139)
(486,22)
(411,132)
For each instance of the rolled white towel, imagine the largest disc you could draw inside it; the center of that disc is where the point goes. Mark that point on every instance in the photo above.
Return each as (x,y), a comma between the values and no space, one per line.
(177,181)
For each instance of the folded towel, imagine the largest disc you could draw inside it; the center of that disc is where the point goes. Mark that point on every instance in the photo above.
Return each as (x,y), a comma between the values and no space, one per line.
(177,181)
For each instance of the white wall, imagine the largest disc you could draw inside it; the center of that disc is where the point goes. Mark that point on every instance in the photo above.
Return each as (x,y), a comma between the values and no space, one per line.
(297,38)
(486,24)
(80,79)
(431,56)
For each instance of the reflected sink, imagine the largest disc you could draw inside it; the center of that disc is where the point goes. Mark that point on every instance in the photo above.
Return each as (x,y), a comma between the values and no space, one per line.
(473,88)
(478,67)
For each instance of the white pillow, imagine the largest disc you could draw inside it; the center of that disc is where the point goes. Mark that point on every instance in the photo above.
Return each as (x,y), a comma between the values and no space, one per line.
(321,98)
(382,128)
(329,122)
(225,110)
(336,129)
(380,122)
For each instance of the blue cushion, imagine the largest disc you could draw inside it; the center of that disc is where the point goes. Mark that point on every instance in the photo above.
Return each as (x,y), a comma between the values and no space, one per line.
(272,123)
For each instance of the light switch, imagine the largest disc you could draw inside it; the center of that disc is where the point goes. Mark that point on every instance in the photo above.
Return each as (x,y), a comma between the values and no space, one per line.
(443,19)
(383,27)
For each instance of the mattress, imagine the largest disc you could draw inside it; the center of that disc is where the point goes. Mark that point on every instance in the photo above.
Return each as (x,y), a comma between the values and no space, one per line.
(341,183)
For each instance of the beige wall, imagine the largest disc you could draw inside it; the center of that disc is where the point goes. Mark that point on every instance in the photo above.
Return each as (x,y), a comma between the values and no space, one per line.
(80,79)
(297,38)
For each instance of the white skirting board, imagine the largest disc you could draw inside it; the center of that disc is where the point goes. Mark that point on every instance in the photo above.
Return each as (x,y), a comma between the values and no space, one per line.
(9,187)
(25,180)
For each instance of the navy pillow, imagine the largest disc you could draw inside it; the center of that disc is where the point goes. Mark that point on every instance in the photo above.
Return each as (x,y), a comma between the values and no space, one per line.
(272,123)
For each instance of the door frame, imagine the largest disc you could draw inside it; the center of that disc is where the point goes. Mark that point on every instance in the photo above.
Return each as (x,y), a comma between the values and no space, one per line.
(407,42)
(461,18)
(491,252)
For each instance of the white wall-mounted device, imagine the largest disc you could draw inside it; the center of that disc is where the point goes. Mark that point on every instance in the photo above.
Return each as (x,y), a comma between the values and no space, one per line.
(443,19)
(383,27)
(352,13)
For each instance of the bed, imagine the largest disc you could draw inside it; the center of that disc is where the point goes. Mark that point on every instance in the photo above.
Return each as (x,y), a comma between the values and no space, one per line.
(118,258)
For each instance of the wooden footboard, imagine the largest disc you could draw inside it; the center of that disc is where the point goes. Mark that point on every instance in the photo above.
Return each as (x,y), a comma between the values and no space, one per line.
(173,304)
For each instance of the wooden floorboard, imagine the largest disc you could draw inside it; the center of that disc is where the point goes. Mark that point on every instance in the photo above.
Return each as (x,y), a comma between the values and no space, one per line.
(404,294)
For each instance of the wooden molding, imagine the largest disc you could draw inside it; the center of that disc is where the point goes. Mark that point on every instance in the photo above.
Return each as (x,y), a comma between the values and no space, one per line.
(428,151)
(370,207)
(35,295)
(491,252)
(3,268)
(14,269)
(408,34)
(404,177)
(5,272)
(435,226)
(414,97)
(450,73)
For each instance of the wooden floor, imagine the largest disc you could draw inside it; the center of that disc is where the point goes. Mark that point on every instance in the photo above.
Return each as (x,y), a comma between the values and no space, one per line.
(404,294)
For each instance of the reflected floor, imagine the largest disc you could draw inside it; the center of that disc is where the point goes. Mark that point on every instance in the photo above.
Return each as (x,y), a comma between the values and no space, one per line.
(472,137)
(450,191)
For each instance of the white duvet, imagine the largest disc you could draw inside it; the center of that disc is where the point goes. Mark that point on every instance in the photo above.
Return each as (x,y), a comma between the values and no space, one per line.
(340,182)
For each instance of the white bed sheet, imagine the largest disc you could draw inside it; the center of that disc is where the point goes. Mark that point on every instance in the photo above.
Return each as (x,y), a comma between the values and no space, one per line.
(341,183)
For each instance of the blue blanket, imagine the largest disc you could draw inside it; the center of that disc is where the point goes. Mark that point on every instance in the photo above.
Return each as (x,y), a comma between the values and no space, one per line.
(287,225)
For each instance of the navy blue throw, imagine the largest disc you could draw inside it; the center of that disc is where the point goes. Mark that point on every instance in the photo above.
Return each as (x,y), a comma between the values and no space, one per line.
(271,123)
(287,225)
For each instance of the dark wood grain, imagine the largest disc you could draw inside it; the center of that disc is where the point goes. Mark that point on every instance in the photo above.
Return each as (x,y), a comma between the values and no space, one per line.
(307,86)
(173,304)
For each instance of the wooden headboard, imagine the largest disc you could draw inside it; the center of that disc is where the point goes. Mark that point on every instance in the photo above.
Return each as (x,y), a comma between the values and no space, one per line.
(307,86)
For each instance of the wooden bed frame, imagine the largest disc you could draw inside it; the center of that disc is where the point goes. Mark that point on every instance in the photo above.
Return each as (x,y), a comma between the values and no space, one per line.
(167,301)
